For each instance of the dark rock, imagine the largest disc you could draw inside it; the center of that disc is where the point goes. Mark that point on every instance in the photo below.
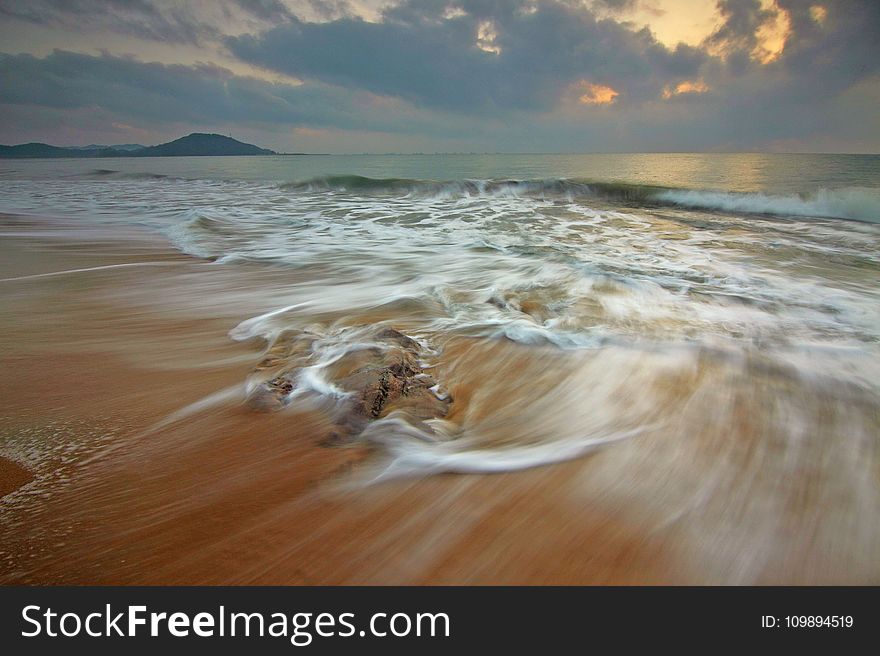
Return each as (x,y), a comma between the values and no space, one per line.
(380,379)
(271,395)
(391,334)
(394,381)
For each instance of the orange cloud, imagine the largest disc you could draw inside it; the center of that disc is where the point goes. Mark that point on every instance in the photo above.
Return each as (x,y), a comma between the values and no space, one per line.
(595,94)
(773,34)
(688,86)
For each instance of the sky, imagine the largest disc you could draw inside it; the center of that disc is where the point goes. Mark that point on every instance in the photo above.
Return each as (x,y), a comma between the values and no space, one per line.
(351,76)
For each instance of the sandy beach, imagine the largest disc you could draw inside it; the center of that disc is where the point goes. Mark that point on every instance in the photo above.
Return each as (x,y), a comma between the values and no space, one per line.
(105,480)
(229,496)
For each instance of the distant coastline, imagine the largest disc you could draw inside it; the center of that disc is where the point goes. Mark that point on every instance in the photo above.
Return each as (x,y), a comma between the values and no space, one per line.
(196,144)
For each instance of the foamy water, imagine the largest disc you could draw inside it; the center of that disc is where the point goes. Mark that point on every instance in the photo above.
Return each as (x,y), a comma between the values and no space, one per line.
(560,314)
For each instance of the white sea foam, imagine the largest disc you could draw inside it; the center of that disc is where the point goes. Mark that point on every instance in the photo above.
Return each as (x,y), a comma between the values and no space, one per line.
(620,274)
(260,326)
(413,452)
(861,204)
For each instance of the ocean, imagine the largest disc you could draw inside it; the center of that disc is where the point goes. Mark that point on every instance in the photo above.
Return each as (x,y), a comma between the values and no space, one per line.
(441,368)
(618,276)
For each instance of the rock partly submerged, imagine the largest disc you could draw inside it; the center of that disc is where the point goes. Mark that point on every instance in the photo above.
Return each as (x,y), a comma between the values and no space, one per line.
(381,372)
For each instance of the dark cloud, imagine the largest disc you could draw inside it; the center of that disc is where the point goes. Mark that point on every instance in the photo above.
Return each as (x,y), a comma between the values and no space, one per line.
(741,20)
(498,74)
(269,10)
(202,94)
(146,19)
(827,52)
(169,21)
(836,53)
(531,52)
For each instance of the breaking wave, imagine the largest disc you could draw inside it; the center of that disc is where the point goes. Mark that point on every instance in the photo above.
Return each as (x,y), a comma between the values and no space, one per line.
(558,314)
(861,204)
(857,203)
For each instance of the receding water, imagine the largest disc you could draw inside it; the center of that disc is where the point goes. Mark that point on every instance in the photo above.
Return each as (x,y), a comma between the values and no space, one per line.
(619,272)
(710,322)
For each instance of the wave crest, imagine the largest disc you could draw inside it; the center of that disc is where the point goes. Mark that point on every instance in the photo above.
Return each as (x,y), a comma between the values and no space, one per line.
(858,203)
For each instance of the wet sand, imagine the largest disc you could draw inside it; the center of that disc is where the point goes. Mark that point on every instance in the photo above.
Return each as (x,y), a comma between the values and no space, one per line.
(95,362)
(12,476)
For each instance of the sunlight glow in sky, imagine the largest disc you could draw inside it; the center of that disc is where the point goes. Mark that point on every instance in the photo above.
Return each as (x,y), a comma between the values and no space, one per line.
(688,86)
(596,94)
(446,75)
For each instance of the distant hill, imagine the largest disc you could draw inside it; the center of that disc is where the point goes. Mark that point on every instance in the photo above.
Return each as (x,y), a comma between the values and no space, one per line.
(195,144)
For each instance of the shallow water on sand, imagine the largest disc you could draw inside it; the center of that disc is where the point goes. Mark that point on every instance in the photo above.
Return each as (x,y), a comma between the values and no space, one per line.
(720,362)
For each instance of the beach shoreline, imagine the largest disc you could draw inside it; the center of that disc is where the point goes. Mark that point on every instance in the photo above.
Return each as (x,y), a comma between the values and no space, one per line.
(124,489)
